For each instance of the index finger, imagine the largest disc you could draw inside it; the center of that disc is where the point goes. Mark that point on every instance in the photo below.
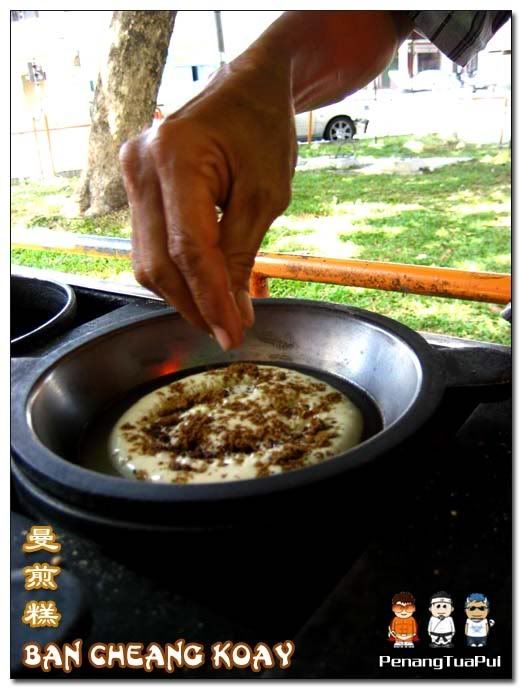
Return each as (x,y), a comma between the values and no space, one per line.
(193,242)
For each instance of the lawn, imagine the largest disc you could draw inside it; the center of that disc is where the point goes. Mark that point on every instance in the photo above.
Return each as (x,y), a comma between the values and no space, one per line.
(456,216)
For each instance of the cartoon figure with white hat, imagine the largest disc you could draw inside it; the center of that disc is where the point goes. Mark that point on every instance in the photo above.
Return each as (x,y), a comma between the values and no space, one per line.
(441,627)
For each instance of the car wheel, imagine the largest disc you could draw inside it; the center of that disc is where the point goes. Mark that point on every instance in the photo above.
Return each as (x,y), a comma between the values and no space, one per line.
(339,129)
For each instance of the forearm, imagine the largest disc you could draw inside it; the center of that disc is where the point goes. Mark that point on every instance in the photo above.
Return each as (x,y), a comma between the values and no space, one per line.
(331,54)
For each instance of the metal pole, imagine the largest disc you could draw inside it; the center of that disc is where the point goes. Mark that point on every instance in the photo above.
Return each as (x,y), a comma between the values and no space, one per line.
(219,32)
(46,122)
(310,126)
(395,277)
(37,145)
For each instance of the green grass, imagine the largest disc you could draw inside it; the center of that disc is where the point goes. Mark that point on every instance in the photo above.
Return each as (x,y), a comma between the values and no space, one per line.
(54,206)
(99,267)
(467,319)
(323,192)
(456,216)
(398,146)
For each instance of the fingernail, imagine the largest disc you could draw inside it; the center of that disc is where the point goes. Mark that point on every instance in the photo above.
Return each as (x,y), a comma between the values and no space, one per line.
(222,337)
(244,304)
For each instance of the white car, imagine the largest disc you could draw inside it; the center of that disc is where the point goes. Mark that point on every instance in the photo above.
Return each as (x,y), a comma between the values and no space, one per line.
(428,80)
(433,80)
(335,122)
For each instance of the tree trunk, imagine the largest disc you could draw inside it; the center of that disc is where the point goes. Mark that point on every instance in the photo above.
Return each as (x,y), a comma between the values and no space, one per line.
(124,101)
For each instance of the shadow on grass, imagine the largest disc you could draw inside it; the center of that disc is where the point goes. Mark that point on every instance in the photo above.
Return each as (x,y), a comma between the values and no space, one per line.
(413,236)
(114,224)
(313,191)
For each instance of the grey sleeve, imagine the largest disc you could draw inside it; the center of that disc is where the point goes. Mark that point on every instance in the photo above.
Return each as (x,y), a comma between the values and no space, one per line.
(459,34)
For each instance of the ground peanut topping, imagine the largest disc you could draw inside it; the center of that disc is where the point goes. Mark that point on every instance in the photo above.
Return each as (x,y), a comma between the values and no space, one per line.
(242,421)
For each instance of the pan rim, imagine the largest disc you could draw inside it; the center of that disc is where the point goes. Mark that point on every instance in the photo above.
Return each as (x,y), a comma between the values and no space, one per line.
(69,306)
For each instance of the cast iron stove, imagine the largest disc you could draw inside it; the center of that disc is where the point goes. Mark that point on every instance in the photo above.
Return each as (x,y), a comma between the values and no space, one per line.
(449,529)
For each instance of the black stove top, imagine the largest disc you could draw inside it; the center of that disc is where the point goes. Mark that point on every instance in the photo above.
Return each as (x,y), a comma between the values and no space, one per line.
(440,519)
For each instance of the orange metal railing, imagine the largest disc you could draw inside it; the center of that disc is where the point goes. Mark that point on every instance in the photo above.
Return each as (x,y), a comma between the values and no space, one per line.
(395,277)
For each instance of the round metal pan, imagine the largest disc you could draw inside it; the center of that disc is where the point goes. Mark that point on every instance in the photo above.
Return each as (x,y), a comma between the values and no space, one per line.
(385,362)
(39,310)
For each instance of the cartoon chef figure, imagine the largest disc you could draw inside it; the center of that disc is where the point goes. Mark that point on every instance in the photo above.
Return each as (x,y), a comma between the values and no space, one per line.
(441,627)
(477,625)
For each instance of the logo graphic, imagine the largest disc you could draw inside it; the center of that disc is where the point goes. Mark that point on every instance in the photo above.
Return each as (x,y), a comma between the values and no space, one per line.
(403,628)
(441,627)
(477,625)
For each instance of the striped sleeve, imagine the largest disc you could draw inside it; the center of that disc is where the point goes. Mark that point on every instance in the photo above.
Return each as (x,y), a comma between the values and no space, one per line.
(459,34)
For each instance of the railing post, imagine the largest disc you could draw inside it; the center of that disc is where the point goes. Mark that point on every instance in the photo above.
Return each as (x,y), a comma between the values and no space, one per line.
(259,285)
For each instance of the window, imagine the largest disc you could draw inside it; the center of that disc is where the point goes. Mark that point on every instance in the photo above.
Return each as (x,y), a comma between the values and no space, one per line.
(428,61)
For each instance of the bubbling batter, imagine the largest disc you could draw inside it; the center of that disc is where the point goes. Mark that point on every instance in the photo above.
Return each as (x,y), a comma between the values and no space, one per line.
(240,422)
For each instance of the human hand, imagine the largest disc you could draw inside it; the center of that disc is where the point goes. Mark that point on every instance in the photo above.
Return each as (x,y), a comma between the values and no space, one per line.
(233,146)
